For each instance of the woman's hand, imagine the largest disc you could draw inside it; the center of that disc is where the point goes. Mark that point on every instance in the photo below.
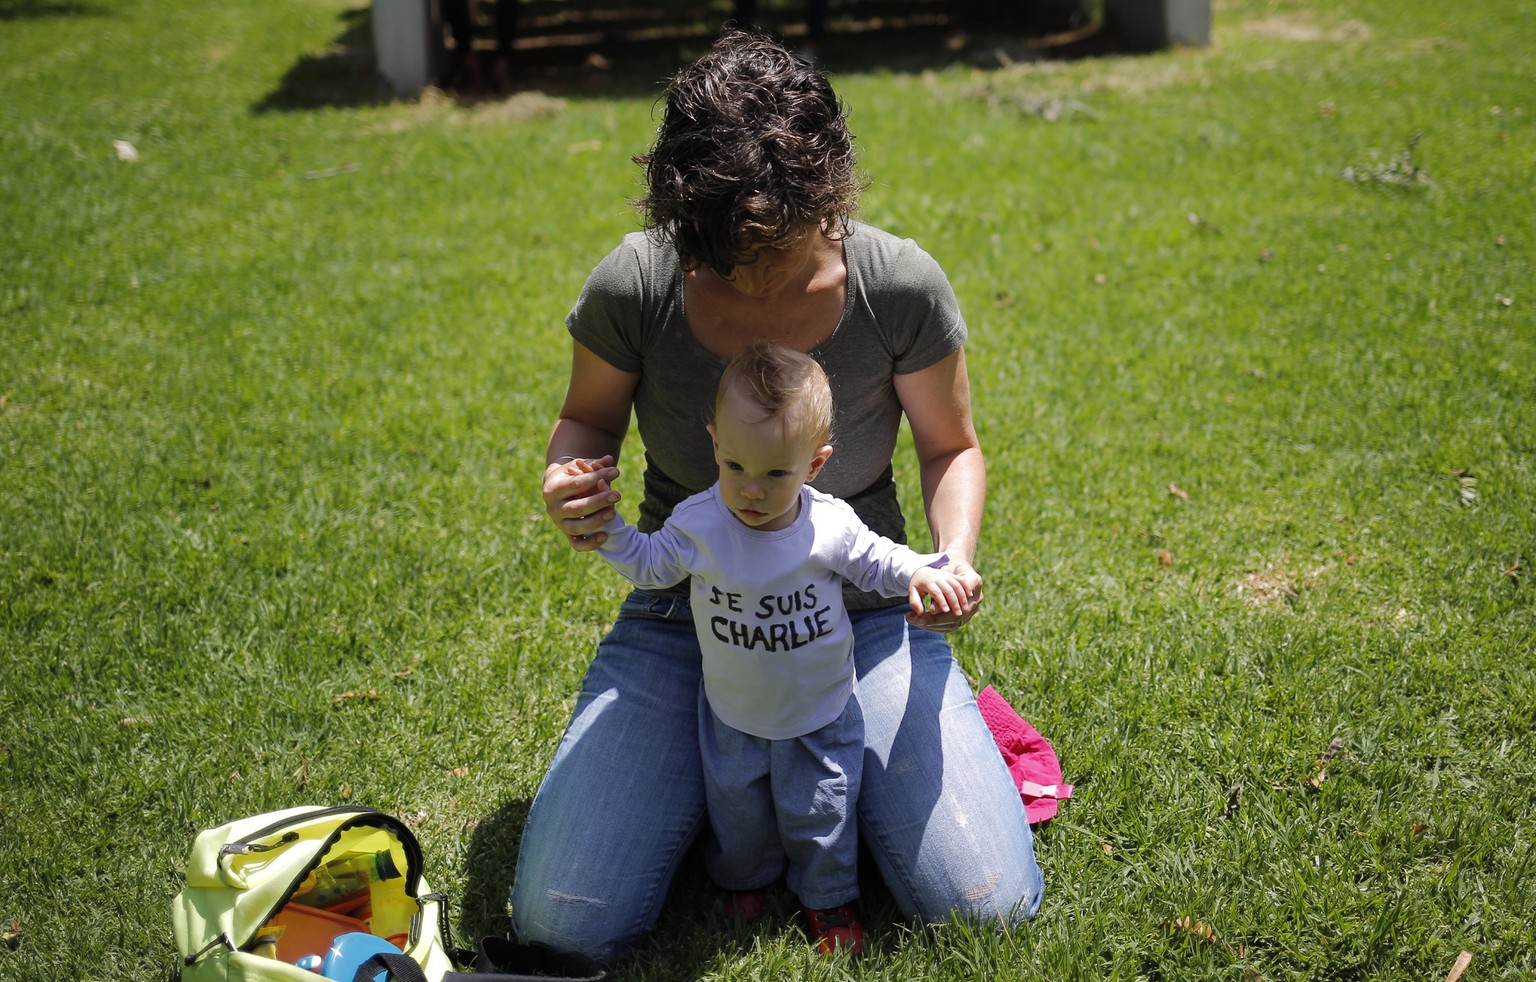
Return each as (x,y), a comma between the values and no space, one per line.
(584,446)
(943,622)
(579,498)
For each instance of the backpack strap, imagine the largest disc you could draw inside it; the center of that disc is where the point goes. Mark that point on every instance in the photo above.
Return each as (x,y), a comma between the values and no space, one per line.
(397,967)
(504,960)
(460,956)
(547,964)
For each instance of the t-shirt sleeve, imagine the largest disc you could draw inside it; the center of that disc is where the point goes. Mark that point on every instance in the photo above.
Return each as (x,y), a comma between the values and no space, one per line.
(922,312)
(868,560)
(651,561)
(607,317)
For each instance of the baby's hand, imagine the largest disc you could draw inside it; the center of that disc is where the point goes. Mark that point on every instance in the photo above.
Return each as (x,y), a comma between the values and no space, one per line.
(947,591)
(945,623)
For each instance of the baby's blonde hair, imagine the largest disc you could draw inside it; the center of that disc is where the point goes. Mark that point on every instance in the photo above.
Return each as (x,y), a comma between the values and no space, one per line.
(782,381)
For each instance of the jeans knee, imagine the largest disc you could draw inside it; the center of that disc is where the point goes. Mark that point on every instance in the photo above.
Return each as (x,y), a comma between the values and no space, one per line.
(572,924)
(1007,904)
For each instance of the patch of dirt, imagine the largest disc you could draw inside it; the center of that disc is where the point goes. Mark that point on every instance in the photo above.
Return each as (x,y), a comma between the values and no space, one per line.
(1269,588)
(1276,585)
(1302,30)
(434,107)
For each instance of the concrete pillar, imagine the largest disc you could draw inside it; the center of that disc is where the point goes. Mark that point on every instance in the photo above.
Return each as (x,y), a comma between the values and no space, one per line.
(402,43)
(1146,25)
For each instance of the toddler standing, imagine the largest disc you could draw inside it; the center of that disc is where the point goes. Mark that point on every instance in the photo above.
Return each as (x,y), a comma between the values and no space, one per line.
(780,727)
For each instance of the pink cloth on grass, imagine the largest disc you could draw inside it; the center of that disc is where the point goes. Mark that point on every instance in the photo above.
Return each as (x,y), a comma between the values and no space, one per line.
(1030,759)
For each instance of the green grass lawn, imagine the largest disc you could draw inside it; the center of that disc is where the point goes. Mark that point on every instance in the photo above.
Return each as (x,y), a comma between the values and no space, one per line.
(1254,356)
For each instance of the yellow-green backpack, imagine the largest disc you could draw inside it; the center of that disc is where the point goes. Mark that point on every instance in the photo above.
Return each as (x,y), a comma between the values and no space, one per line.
(267,894)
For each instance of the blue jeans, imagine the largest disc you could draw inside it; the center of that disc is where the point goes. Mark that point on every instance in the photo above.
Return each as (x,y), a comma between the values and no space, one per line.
(789,802)
(624,796)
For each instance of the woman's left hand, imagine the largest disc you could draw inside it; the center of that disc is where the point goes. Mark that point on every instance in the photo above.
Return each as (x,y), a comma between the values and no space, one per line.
(943,622)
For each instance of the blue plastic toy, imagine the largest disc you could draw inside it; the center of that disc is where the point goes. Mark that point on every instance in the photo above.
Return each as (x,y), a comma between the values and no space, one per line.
(349,951)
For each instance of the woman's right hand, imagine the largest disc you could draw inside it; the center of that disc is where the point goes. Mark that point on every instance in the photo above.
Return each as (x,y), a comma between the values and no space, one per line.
(579,498)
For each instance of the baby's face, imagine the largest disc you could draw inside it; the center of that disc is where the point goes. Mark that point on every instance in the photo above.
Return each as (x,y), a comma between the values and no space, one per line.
(764,462)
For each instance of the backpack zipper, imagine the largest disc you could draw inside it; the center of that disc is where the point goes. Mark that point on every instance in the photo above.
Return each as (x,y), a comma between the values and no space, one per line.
(245,845)
(364,816)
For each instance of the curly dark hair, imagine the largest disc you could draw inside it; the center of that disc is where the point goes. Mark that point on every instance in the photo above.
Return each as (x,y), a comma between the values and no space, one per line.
(753,150)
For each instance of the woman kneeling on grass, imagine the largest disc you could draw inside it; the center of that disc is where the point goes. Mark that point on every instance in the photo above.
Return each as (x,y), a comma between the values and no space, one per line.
(750,191)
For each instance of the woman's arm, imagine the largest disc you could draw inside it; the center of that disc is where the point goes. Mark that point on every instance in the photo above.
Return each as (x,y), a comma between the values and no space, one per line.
(937,402)
(592,425)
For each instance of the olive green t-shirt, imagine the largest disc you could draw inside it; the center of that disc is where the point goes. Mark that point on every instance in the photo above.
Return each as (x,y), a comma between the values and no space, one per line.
(901,316)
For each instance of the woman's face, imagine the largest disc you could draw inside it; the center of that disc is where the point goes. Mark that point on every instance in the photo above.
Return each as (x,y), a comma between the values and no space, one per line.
(776,265)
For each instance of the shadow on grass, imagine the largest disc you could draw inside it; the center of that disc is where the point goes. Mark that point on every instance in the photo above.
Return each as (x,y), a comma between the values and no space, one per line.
(342,75)
(39,9)
(492,860)
(626,48)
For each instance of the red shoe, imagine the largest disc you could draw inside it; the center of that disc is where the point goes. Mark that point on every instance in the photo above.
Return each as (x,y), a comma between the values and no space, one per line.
(835,929)
(744,905)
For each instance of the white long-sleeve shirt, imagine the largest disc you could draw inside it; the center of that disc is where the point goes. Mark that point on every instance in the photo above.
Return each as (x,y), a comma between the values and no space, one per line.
(768,606)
